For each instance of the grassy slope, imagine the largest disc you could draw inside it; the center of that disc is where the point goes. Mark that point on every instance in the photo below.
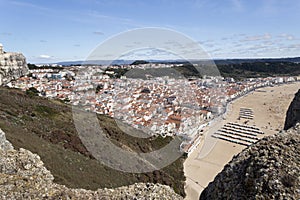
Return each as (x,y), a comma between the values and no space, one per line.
(46,127)
(259,69)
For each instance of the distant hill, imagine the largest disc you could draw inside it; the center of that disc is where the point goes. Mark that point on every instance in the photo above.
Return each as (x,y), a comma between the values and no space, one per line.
(139,62)
(217,61)
(235,68)
(259,69)
(238,61)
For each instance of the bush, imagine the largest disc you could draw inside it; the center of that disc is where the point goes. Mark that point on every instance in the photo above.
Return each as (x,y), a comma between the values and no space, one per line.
(32,92)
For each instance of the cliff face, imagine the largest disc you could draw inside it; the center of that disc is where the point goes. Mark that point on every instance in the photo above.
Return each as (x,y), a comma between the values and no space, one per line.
(293,113)
(23,176)
(12,66)
(268,169)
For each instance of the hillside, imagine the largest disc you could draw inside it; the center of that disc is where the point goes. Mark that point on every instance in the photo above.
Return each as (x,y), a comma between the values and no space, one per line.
(24,176)
(237,71)
(259,69)
(45,127)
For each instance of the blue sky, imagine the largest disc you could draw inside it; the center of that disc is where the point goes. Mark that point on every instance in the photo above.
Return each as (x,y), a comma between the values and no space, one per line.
(60,30)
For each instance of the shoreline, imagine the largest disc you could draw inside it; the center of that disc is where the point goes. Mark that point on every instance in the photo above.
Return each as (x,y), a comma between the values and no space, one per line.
(196,142)
(200,170)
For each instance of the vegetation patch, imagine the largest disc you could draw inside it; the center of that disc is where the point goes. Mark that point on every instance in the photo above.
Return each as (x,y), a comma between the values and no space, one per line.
(45,110)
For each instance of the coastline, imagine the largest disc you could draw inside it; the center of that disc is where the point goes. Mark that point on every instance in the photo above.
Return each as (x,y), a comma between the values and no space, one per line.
(197,141)
(204,166)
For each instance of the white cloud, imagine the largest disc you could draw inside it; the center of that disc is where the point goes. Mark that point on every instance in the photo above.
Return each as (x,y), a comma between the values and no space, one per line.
(98,33)
(98,16)
(30,5)
(266,36)
(45,56)
(149,53)
(6,33)
(287,36)
(290,37)
(294,46)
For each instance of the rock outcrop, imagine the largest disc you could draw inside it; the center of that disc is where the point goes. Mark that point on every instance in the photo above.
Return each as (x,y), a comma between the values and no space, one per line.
(12,66)
(23,176)
(269,169)
(293,113)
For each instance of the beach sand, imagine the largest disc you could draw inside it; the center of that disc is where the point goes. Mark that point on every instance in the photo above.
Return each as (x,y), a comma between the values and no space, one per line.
(269,106)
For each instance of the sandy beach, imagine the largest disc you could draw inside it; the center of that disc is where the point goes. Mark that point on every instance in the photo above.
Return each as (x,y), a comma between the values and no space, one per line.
(269,106)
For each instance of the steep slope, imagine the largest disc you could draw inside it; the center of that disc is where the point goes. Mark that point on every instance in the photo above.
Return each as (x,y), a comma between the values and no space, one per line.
(293,113)
(269,169)
(46,127)
(23,176)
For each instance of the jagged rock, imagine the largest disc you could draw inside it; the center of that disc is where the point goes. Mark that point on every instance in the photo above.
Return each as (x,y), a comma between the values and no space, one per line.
(269,169)
(293,113)
(12,66)
(4,144)
(23,176)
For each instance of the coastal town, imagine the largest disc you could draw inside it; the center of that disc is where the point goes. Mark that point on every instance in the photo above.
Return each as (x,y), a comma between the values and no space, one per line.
(159,105)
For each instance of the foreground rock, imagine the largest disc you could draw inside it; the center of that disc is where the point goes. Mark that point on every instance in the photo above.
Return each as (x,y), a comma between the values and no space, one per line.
(23,176)
(293,113)
(270,169)
(12,66)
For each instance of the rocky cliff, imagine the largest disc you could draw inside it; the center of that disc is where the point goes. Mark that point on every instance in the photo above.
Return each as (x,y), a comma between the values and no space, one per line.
(23,176)
(269,169)
(293,113)
(12,66)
